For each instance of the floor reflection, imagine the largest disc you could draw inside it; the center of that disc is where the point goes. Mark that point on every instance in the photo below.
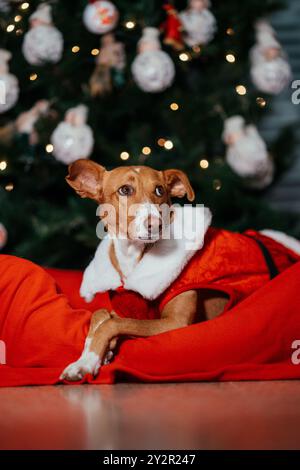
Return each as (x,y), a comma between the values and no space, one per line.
(147,416)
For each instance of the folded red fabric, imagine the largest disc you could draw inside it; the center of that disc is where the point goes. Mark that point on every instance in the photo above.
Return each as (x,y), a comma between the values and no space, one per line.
(43,331)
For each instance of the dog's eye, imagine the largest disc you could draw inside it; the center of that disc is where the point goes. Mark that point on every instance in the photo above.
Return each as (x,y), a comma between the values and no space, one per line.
(125,190)
(159,191)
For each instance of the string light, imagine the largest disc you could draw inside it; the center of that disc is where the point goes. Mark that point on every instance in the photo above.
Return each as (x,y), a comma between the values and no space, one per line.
(146,150)
(3,165)
(161,142)
(124,155)
(33,77)
(9,187)
(95,51)
(217,185)
(130,24)
(184,57)
(204,164)
(168,144)
(261,102)
(19,32)
(241,90)
(10,28)
(174,106)
(230,31)
(75,49)
(24,6)
(49,148)
(18,18)
(230,58)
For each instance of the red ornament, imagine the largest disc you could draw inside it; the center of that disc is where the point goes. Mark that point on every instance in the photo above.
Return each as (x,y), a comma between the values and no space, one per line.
(172,28)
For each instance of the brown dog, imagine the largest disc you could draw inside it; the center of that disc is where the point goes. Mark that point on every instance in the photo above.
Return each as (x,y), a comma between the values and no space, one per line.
(135,192)
(155,255)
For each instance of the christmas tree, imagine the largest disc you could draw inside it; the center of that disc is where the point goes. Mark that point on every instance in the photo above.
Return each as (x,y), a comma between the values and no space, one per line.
(86,61)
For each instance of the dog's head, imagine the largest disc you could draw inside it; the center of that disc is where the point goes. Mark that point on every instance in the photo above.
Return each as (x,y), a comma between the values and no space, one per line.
(131,197)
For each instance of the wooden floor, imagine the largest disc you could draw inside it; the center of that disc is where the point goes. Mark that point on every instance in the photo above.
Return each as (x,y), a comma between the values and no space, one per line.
(257,415)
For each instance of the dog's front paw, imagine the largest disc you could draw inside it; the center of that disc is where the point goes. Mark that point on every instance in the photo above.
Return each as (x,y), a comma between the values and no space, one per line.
(88,364)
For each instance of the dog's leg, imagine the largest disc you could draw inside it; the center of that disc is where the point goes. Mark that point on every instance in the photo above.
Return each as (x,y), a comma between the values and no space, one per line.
(88,363)
(178,313)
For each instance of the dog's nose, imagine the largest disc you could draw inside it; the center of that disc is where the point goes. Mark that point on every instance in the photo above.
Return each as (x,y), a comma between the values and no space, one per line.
(153,224)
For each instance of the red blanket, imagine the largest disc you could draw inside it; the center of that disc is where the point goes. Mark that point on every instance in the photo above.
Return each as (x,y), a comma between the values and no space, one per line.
(42,333)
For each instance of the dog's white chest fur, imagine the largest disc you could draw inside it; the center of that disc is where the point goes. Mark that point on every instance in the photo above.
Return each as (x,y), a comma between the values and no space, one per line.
(128,254)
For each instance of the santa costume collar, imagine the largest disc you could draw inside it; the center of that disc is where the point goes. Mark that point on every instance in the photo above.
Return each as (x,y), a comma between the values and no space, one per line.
(159,266)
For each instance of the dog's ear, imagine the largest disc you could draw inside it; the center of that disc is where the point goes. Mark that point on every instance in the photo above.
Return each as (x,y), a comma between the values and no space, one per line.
(179,184)
(86,177)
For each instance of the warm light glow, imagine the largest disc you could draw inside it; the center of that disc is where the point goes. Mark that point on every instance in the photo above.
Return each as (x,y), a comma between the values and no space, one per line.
(161,142)
(49,148)
(18,18)
(25,5)
(241,90)
(196,49)
(95,51)
(130,24)
(33,77)
(230,31)
(217,185)
(184,57)
(146,150)
(75,49)
(174,106)
(3,165)
(230,58)
(204,164)
(19,32)
(9,187)
(168,144)
(261,102)
(10,28)
(124,155)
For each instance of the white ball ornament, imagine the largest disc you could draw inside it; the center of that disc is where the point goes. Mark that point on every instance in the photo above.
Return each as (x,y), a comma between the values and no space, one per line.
(270,70)
(198,22)
(153,70)
(271,76)
(247,153)
(9,85)
(100,16)
(43,42)
(73,138)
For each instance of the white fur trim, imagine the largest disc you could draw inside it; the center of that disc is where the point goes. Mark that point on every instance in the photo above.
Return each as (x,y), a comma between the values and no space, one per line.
(160,266)
(285,240)
(100,275)
(128,255)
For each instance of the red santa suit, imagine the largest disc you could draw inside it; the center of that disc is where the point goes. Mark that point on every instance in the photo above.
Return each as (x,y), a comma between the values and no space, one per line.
(192,258)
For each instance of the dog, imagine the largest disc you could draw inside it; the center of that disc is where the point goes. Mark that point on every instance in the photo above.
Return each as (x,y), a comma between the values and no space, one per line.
(196,275)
